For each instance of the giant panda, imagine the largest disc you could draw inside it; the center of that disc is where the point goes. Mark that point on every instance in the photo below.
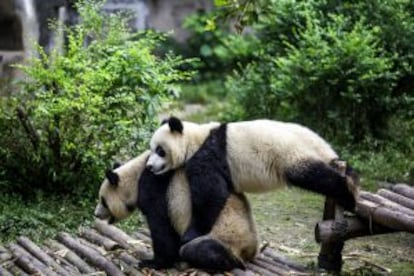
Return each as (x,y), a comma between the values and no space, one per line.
(165,202)
(252,156)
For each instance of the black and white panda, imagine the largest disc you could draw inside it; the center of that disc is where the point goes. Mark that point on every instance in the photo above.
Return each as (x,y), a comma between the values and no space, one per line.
(166,204)
(252,156)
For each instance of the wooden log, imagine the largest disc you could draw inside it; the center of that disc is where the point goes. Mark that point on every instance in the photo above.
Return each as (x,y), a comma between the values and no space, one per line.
(27,262)
(274,267)
(61,261)
(385,216)
(90,254)
(239,272)
(382,201)
(282,259)
(131,263)
(37,252)
(259,270)
(142,237)
(400,199)
(4,272)
(70,256)
(14,269)
(127,242)
(5,254)
(404,189)
(94,237)
(92,246)
(331,231)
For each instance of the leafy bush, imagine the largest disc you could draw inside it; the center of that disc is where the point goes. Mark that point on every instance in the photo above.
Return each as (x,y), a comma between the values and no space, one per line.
(337,67)
(76,111)
(219,49)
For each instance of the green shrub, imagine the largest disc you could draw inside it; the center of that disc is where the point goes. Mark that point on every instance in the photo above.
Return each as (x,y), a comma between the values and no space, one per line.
(219,49)
(338,68)
(78,110)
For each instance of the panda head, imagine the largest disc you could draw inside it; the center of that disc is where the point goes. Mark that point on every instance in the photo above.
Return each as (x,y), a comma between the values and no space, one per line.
(118,194)
(175,142)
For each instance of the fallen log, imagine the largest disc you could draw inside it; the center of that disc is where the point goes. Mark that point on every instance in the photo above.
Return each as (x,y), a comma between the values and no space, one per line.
(29,263)
(382,201)
(70,256)
(94,237)
(91,255)
(400,199)
(404,189)
(331,230)
(41,255)
(385,216)
(92,246)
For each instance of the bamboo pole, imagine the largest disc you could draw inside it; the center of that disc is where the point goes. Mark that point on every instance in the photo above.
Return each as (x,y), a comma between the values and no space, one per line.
(5,254)
(4,272)
(281,259)
(259,270)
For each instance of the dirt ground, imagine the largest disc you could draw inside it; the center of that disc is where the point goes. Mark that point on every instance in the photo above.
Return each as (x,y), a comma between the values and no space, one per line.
(286,220)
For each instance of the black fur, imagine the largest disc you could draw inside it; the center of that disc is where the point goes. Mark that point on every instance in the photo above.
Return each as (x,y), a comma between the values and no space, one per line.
(319,177)
(152,201)
(210,183)
(210,255)
(175,124)
(113,177)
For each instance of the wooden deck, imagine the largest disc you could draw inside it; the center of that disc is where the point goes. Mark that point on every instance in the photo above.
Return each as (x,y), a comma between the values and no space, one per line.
(107,250)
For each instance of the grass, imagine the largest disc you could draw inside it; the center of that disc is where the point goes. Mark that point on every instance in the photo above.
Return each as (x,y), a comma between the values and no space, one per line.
(286,220)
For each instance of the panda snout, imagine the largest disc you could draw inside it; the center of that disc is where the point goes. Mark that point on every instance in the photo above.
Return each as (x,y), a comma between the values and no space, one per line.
(150,167)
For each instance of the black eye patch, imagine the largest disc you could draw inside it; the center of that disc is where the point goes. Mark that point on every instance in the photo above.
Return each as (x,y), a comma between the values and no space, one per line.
(103,202)
(160,151)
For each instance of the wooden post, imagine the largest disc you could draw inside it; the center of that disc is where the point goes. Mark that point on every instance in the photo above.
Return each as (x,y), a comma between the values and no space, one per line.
(330,255)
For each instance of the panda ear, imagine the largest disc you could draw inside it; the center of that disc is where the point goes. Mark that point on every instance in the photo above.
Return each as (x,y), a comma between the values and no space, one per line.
(116,165)
(175,124)
(113,178)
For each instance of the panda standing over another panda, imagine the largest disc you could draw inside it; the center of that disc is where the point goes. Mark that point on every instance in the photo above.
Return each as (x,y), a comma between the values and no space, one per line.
(250,156)
(165,202)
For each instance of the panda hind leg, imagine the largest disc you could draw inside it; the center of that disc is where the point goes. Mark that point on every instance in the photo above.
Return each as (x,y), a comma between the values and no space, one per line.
(209,254)
(322,178)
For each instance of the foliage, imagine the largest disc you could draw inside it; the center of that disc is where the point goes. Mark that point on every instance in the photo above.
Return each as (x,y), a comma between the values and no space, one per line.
(216,45)
(343,68)
(79,109)
(45,215)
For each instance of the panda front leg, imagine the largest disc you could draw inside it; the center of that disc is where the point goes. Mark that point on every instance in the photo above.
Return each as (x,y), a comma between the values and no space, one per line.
(210,254)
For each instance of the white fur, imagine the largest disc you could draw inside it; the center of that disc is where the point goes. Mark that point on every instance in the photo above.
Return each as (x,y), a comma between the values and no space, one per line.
(188,142)
(125,192)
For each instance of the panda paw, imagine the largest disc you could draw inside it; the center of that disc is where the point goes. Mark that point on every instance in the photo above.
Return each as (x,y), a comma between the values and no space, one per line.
(154,264)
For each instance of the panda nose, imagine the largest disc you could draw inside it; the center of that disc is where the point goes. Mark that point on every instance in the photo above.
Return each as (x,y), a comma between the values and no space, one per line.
(149,167)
